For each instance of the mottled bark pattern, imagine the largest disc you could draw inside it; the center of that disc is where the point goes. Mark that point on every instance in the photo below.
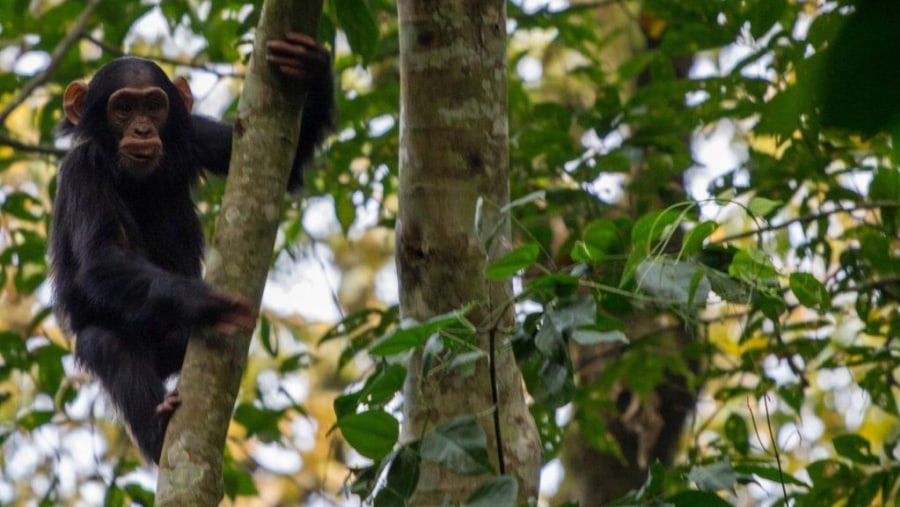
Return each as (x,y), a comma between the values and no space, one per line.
(454,151)
(267,126)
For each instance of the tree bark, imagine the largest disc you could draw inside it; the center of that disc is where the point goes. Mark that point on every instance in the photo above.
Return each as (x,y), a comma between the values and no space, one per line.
(265,132)
(454,171)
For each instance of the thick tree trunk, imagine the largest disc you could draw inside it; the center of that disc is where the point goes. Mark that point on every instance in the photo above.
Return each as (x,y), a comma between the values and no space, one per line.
(266,128)
(454,170)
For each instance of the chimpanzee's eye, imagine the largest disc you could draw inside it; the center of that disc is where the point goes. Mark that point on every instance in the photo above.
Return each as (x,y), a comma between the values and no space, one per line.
(154,105)
(123,107)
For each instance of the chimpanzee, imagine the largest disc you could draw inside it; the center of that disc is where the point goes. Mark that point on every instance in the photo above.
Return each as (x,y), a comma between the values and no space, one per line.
(126,243)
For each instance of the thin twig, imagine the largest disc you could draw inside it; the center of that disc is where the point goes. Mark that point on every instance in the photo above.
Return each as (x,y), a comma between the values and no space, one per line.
(165,60)
(775,447)
(56,57)
(21,147)
(810,218)
(795,368)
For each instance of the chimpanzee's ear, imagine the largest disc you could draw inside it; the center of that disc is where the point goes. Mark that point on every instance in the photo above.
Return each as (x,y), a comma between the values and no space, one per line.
(73,100)
(184,89)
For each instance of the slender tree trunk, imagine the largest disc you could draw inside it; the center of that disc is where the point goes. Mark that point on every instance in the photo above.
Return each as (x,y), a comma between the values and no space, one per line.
(454,170)
(267,126)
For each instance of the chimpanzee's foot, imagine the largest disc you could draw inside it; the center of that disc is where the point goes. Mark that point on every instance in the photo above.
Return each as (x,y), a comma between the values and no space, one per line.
(165,409)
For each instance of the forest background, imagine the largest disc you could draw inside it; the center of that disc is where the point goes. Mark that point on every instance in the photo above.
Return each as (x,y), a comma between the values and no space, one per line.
(704,219)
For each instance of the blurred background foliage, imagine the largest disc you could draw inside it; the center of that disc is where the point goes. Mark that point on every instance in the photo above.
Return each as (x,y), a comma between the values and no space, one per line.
(708,277)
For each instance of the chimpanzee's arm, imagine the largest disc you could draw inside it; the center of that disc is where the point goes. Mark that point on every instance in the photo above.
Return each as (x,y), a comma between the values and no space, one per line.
(212,138)
(318,121)
(212,143)
(299,58)
(117,282)
(135,292)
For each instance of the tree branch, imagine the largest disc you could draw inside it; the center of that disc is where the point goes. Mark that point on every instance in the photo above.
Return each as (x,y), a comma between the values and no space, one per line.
(32,148)
(809,218)
(162,59)
(75,33)
(267,124)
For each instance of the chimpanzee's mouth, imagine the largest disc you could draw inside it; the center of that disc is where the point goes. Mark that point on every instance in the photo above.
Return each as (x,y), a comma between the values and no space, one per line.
(139,157)
(141,152)
(139,162)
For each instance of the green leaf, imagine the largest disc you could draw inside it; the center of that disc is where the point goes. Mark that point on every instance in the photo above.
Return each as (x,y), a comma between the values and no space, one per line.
(365,480)
(113,497)
(513,262)
(673,281)
(412,334)
(345,210)
(382,387)
(464,361)
(554,285)
(810,292)
(726,196)
(588,336)
(855,448)
(713,477)
(827,473)
(879,389)
(549,339)
(644,235)
(22,206)
(547,373)
(32,419)
(752,265)
(259,421)
(238,480)
(768,473)
(141,496)
(696,499)
(771,304)
(780,115)
(387,497)
(521,201)
(403,473)
(372,433)
(792,394)
(269,343)
(379,388)
(460,445)
(653,485)
(762,14)
(13,351)
(355,17)
(885,185)
(580,312)
(51,372)
(864,493)
(736,432)
(551,433)
(496,492)
(693,240)
(654,225)
(600,239)
(760,206)
(861,93)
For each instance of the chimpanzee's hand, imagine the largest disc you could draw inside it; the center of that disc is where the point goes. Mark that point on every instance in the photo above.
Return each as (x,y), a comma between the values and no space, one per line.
(227,313)
(165,409)
(239,314)
(300,56)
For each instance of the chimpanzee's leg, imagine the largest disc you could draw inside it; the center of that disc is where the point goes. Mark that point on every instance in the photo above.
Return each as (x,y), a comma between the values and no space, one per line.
(129,377)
